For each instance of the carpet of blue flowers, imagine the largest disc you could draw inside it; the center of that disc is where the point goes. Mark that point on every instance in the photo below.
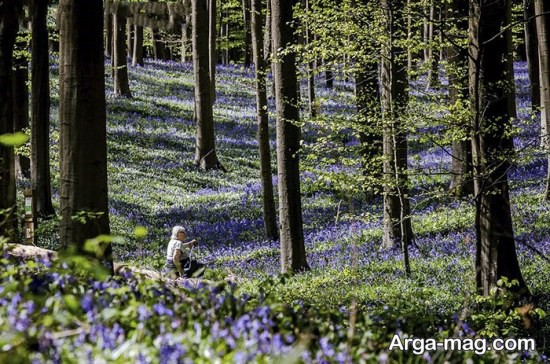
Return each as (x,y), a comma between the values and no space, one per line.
(346,309)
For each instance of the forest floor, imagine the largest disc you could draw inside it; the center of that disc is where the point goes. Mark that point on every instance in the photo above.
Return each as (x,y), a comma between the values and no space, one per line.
(154,184)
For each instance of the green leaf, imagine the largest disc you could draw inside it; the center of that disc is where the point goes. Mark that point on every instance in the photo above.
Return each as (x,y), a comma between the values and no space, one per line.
(140,232)
(14,140)
(71,301)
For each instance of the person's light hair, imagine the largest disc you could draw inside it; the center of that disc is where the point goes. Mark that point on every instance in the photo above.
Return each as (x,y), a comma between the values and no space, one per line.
(176,230)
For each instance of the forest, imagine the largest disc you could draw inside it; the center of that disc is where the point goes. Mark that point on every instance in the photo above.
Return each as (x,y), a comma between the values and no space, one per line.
(274,181)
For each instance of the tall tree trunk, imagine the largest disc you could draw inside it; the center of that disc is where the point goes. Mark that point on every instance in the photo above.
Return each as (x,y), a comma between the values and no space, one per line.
(397,222)
(543,29)
(21,100)
(270,217)
(433,51)
(462,183)
(158,48)
(267,31)
(108,35)
(137,57)
(83,136)
(367,94)
(293,254)
(9,15)
(489,54)
(129,36)
(185,39)
(121,83)
(246,19)
(205,151)
(532,53)
(312,108)
(212,55)
(329,77)
(40,105)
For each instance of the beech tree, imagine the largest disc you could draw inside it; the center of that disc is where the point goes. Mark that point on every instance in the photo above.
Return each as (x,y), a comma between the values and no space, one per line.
(462,183)
(120,54)
(492,146)
(9,16)
(293,255)
(205,151)
(543,41)
(21,97)
(270,218)
(83,147)
(531,52)
(397,223)
(40,109)
(137,55)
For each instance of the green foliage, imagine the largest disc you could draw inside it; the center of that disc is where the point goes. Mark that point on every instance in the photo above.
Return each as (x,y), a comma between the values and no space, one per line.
(14,140)
(59,311)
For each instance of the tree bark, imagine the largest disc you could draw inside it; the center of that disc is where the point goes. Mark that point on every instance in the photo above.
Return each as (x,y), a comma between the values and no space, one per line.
(205,151)
(83,146)
(120,82)
(21,101)
(293,255)
(267,31)
(129,37)
(462,183)
(270,217)
(312,107)
(212,55)
(492,146)
(532,53)
(247,40)
(397,222)
(40,110)
(9,15)
(108,35)
(543,28)
(433,51)
(137,57)
(367,94)
(185,39)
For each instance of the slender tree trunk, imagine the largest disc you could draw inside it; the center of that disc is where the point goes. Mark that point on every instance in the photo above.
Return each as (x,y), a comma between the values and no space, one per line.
(293,255)
(532,53)
(462,183)
(129,36)
(40,105)
(108,35)
(509,74)
(121,83)
(9,15)
(137,57)
(83,136)
(543,28)
(267,32)
(270,217)
(212,55)
(492,146)
(158,48)
(329,78)
(397,223)
(312,108)
(21,101)
(246,19)
(205,151)
(367,94)
(186,39)
(433,51)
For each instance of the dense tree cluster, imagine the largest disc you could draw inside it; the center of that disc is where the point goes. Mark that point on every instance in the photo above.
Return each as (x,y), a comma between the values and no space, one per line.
(381,46)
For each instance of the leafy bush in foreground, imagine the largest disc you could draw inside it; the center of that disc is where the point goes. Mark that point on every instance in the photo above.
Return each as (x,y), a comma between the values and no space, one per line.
(57,311)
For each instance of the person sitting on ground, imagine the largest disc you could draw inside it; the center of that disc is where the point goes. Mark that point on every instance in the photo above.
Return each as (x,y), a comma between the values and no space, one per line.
(178,260)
